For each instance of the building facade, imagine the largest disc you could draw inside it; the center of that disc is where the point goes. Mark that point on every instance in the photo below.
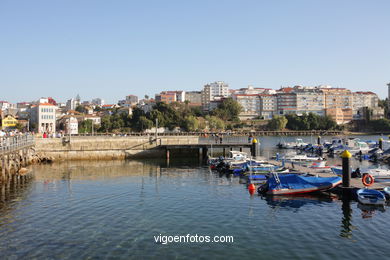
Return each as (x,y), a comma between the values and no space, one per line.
(338,104)
(211,91)
(131,100)
(194,98)
(250,104)
(268,106)
(43,116)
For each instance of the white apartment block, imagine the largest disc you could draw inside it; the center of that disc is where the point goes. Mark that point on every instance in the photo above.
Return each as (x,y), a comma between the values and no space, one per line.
(250,104)
(131,100)
(268,106)
(43,116)
(72,103)
(310,101)
(363,99)
(213,90)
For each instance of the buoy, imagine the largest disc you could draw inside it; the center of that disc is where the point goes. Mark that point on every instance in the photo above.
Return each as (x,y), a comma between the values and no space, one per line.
(251,189)
(367,180)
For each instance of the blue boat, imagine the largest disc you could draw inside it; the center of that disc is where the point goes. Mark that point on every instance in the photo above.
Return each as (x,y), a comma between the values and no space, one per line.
(297,184)
(370,197)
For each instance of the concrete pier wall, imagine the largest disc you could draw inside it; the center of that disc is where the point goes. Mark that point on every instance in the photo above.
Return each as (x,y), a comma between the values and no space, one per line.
(107,147)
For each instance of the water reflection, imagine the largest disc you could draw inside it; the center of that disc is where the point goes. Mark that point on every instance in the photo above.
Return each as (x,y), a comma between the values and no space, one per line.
(346,226)
(298,201)
(368,211)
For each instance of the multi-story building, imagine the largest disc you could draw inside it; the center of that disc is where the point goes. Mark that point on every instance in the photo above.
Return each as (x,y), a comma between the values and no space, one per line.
(211,91)
(309,100)
(5,105)
(43,115)
(286,101)
(98,101)
(250,104)
(268,106)
(72,103)
(166,97)
(131,100)
(194,98)
(338,104)
(360,100)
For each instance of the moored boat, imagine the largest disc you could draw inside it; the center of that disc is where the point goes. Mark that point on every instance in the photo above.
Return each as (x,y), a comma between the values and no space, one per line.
(379,173)
(371,197)
(297,184)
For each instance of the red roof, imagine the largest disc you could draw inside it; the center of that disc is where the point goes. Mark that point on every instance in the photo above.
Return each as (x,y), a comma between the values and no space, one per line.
(287,90)
(46,104)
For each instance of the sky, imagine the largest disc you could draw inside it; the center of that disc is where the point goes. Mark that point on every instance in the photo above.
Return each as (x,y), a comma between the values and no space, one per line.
(110,49)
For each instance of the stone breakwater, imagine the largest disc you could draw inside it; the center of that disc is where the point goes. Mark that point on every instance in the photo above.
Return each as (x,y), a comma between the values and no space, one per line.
(107,147)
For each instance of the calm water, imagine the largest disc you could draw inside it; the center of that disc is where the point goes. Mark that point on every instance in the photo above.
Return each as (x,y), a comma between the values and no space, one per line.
(99,210)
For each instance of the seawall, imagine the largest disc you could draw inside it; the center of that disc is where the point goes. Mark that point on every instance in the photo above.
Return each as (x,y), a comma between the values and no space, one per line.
(107,147)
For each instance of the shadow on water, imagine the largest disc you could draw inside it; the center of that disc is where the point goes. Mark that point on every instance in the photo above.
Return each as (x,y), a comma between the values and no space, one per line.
(12,193)
(298,201)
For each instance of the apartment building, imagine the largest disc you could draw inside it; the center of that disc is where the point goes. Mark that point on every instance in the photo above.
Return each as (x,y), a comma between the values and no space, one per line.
(211,91)
(43,116)
(362,100)
(268,106)
(131,100)
(194,98)
(309,100)
(338,104)
(250,104)
(286,101)
(166,97)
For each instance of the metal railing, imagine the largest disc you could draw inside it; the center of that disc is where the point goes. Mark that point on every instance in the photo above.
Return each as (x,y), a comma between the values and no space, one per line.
(14,143)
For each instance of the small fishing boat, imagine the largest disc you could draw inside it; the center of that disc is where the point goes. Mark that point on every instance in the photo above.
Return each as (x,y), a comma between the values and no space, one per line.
(378,173)
(371,197)
(297,184)
(386,191)
(301,158)
(320,165)
(292,145)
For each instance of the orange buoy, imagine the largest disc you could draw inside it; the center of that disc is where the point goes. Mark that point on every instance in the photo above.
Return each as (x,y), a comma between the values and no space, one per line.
(251,189)
(367,179)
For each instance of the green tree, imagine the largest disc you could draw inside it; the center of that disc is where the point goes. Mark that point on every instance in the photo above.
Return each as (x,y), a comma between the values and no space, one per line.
(19,126)
(81,109)
(143,124)
(191,123)
(277,123)
(215,123)
(85,126)
(105,125)
(229,109)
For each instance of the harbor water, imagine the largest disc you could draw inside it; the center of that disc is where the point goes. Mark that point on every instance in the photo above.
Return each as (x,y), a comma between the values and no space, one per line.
(116,209)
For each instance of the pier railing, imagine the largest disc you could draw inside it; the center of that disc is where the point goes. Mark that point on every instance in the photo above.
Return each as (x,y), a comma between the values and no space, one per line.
(15,143)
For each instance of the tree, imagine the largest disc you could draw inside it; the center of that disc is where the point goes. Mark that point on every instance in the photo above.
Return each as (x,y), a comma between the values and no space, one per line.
(19,126)
(81,109)
(85,126)
(215,123)
(191,123)
(143,124)
(277,123)
(229,109)
(105,125)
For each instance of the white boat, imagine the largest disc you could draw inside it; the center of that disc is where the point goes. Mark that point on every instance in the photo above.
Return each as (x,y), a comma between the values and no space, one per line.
(293,145)
(386,190)
(371,197)
(320,166)
(302,158)
(379,173)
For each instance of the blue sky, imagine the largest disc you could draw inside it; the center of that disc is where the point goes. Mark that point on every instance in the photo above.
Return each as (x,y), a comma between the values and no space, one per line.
(110,49)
